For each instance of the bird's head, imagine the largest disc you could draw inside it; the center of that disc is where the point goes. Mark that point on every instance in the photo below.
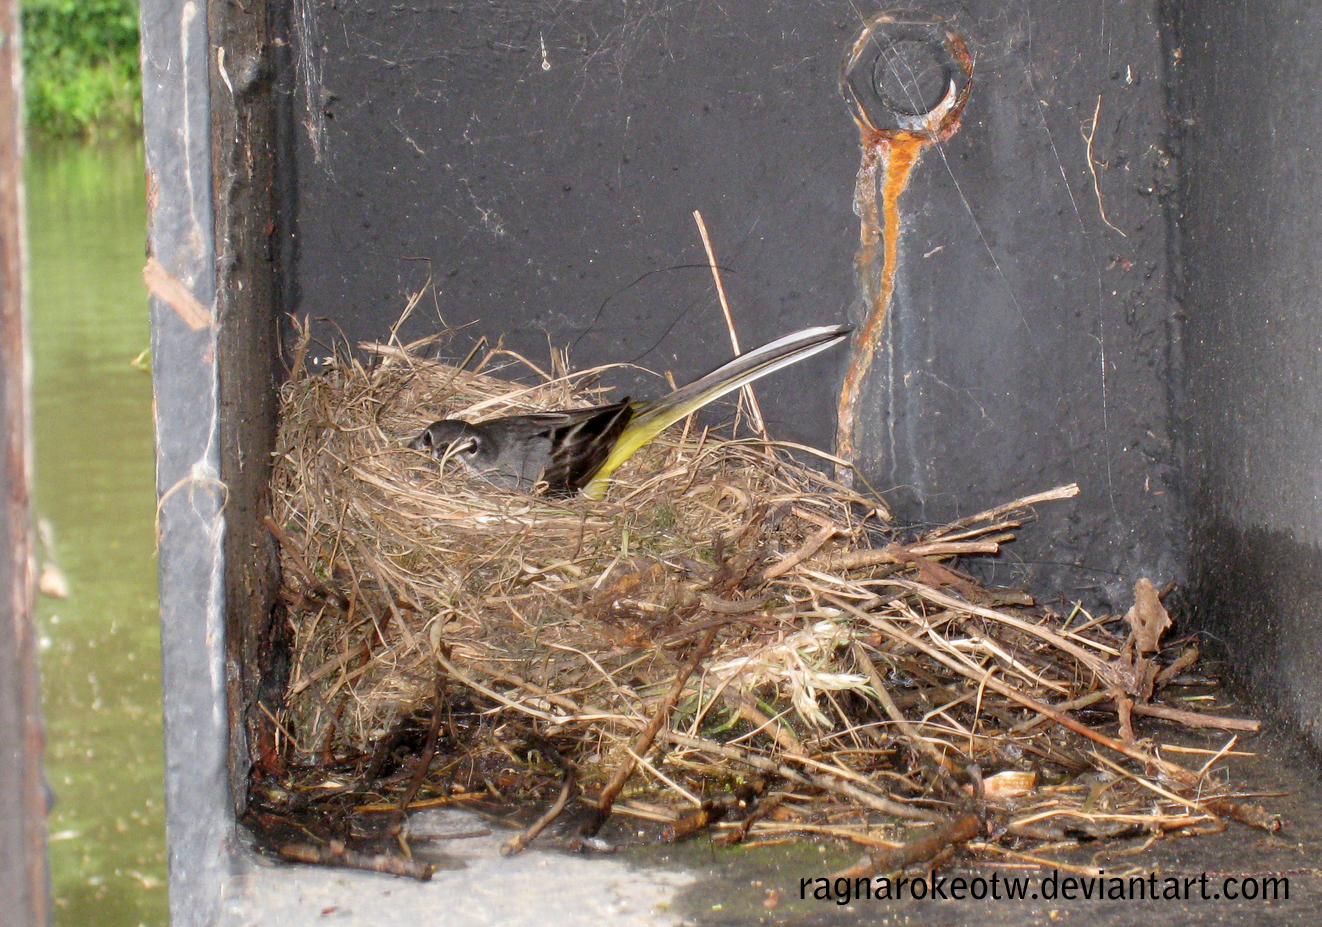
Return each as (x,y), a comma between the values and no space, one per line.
(451,438)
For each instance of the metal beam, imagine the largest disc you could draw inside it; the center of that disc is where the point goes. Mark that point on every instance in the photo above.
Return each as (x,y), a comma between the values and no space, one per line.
(24,895)
(181,276)
(243,150)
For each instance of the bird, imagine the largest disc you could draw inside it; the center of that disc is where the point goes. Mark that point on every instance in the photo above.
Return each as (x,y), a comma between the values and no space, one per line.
(565,452)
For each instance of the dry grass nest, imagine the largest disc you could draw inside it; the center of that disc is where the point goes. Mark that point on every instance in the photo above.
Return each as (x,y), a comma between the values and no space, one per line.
(730,640)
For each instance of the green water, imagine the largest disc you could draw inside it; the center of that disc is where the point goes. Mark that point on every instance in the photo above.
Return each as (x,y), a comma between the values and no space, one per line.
(100,652)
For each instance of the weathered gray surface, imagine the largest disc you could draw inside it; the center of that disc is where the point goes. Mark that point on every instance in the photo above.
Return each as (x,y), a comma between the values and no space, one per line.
(24,896)
(535,887)
(190,520)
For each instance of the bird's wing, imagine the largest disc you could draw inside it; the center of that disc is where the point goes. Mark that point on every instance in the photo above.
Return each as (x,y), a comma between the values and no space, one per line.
(579,447)
(745,368)
(518,447)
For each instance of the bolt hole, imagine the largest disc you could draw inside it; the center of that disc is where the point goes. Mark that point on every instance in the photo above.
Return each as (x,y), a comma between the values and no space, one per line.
(909,77)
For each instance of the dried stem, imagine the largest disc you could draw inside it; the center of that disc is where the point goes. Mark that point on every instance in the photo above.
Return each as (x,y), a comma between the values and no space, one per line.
(643,743)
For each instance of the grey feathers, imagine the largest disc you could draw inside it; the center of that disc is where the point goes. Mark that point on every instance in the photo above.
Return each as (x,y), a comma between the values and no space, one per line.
(572,450)
(563,449)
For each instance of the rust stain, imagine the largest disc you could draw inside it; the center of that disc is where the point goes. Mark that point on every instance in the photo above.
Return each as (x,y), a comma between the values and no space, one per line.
(895,157)
(888,159)
(170,290)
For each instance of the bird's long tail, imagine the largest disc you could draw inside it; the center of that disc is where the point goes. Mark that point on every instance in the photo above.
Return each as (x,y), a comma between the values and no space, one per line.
(650,420)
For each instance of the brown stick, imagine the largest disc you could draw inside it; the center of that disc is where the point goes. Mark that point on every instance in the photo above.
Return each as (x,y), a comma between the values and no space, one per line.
(1068,491)
(1172,769)
(1197,718)
(764,807)
(643,742)
(754,410)
(519,842)
(951,834)
(336,854)
(314,585)
(724,607)
(692,823)
(428,751)
(1187,658)
(1187,718)
(810,547)
(1089,660)
(894,554)
(893,711)
(743,703)
(1082,701)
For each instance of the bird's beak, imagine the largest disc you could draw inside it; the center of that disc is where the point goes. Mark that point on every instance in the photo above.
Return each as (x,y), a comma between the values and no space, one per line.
(417,445)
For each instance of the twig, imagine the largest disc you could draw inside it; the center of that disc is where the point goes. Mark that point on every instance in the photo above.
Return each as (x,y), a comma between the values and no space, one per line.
(1218,755)
(1091,661)
(336,854)
(492,693)
(315,586)
(893,711)
(1187,658)
(1082,701)
(1068,491)
(428,751)
(740,831)
(643,742)
(785,771)
(895,553)
(437,802)
(744,703)
(1092,169)
(1246,814)
(519,842)
(951,834)
(1197,718)
(704,816)
(1172,769)
(754,411)
(810,547)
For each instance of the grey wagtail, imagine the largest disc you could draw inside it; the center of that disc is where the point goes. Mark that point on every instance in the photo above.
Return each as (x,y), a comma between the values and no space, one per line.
(579,449)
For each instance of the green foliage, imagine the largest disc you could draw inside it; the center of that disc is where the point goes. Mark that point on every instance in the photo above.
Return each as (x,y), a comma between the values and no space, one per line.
(80,59)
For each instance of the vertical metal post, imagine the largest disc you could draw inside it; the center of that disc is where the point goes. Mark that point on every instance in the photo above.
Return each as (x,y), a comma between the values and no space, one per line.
(181,276)
(23,883)
(243,157)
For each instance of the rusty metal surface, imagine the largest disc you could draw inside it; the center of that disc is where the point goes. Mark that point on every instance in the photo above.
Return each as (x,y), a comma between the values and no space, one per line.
(24,894)
(907,81)
(191,523)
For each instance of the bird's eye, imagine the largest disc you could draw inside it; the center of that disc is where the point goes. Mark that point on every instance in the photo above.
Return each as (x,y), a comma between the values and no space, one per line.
(426,438)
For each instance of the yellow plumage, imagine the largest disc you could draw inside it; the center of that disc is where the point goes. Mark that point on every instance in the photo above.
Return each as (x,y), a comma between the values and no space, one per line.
(650,419)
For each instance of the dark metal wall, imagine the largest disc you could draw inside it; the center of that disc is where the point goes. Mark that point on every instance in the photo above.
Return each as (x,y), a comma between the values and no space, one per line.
(1252,222)
(539,162)
(243,171)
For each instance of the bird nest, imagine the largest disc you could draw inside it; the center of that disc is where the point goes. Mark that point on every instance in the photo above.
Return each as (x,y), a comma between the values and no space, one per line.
(729,640)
